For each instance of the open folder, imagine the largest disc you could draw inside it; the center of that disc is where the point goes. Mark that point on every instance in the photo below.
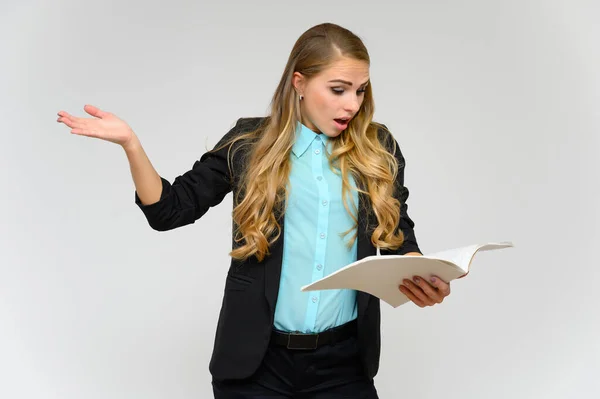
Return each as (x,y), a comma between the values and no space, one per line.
(381,276)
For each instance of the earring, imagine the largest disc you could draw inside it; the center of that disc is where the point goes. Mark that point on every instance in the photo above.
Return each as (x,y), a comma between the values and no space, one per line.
(301,97)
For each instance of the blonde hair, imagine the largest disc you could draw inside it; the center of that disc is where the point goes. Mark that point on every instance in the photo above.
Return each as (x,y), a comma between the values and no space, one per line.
(358,151)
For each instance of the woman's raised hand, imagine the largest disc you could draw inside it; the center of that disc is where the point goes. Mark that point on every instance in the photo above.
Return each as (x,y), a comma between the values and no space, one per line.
(103,125)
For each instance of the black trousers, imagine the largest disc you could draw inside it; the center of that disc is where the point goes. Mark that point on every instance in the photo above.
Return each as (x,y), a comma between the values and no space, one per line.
(330,371)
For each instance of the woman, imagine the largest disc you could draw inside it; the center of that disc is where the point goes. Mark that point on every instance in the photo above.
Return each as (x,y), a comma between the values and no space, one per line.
(317,185)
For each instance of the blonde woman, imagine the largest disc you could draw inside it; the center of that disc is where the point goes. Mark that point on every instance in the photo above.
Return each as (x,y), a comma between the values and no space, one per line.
(317,185)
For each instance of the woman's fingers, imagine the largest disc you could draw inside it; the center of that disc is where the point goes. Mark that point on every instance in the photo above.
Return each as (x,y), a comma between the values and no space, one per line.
(418,292)
(82,123)
(65,120)
(73,122)
(103,125)
(95,111)
(429,290)
(79,126)
(90,109)
(423,293)
(79,132)
(409,294)
(86,132)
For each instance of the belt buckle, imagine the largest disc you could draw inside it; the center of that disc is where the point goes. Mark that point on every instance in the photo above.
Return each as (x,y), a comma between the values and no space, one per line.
(305,341)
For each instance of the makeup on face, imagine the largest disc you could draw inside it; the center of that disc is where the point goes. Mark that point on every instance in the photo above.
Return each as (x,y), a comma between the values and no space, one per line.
(335,96)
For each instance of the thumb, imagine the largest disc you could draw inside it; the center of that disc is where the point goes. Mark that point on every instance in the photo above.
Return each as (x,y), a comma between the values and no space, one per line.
(95,111)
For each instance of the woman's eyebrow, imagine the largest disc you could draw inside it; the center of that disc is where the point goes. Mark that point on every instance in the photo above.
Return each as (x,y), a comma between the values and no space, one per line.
(346,82)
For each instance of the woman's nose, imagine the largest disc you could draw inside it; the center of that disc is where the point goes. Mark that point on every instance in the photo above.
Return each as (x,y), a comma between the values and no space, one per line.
(353,104)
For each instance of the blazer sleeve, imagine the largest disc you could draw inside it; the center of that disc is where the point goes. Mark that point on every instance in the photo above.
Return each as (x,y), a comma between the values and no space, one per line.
(193,193)
(401,192)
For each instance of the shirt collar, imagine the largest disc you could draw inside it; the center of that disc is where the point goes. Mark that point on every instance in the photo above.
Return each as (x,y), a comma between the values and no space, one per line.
(304,138)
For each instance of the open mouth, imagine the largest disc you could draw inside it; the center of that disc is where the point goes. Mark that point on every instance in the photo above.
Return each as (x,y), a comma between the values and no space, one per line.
(342,123)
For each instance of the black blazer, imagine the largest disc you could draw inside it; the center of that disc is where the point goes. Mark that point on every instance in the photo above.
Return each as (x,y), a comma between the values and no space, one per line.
(247,313)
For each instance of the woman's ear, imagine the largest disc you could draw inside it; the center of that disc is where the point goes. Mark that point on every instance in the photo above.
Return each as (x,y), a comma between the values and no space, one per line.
(298,81)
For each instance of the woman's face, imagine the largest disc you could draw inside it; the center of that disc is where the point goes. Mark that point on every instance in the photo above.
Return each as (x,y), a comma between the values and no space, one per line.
(334,94)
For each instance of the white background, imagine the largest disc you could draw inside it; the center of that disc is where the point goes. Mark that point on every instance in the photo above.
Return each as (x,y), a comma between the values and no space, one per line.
(495,105)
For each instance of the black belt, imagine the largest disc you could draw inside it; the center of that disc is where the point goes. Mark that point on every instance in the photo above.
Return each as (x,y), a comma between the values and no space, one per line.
(297,340)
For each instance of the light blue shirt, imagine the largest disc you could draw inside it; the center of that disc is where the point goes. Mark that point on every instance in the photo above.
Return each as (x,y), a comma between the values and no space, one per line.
(313,246)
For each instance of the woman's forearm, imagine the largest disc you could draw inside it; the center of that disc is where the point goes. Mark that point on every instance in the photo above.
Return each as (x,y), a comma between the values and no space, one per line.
(147,181)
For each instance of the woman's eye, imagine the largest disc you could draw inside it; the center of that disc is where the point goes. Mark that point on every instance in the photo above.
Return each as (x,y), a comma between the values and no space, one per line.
(341,91)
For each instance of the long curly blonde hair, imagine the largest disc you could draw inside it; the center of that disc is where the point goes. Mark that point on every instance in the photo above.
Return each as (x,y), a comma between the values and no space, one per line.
(357,151)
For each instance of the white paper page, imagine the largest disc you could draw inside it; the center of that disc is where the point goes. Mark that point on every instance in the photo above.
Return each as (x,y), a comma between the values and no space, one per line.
(463,256)
(382,275)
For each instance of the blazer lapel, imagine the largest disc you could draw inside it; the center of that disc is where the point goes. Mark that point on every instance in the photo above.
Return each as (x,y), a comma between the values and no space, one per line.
(273,268)
(364,246)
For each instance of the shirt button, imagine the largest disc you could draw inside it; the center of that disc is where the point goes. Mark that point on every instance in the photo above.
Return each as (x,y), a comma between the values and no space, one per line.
(317,151)
(322,235)
(320,178)
(314,299)
(324,202)
(319,267)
